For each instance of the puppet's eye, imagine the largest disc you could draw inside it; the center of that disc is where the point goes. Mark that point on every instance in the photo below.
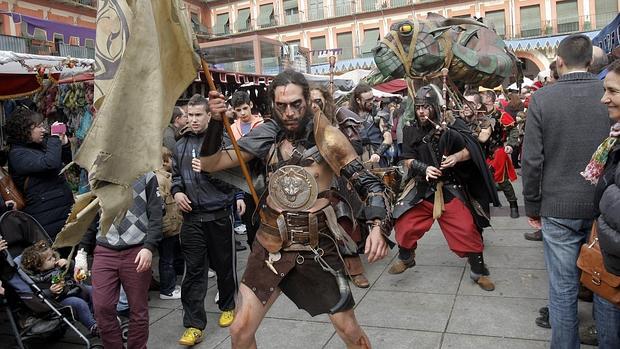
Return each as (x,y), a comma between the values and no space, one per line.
(406,29)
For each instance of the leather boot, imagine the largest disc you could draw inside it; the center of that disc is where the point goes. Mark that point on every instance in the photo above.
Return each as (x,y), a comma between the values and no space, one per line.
(514,209)
(533,236)
(401,265)
(479,272)
(360,281)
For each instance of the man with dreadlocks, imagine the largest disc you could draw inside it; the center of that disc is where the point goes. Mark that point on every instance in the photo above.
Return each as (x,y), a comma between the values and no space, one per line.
(448,182)
(299,243)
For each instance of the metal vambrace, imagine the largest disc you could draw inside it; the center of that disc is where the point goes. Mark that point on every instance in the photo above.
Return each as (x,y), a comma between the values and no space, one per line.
(213,138)
(382,148)
(418,167)
(370,188)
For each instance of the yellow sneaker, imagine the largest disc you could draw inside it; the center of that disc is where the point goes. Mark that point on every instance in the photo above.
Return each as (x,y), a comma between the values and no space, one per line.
(227,318)
(191,336)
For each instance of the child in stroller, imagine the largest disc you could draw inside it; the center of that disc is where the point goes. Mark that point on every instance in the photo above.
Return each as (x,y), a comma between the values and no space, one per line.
(34,317)
(48,271)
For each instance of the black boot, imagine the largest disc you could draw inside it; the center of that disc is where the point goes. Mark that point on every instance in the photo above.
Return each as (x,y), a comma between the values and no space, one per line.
(479,272)
(514,209)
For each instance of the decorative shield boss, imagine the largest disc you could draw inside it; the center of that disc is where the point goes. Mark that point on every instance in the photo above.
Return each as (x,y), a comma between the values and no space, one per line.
(293,188)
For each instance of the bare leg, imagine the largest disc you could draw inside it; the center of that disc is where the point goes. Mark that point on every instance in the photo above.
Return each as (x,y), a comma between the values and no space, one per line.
(249,313)
(349,330)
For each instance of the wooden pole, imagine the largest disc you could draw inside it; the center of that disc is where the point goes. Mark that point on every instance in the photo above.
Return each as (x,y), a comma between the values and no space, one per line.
(244,166)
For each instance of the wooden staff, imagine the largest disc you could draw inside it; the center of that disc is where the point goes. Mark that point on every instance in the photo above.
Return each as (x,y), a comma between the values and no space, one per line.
(244,166)
(332,65)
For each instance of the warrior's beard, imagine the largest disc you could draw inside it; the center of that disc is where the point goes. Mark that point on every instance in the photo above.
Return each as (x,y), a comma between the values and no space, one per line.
(425,122)
(301,129)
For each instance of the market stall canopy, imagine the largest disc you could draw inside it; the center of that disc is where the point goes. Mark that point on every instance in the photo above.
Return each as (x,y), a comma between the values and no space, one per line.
(392,86)
(240,49)
(21,74)
(339,82)
(375,93)
(526,82)
(355,75)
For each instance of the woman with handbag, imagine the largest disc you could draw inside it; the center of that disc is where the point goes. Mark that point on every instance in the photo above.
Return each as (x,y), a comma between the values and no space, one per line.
(35,161)
(603,170)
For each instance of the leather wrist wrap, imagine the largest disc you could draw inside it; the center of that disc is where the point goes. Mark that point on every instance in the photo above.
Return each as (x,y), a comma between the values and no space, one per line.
(213,138)
(418,167)
(382,148)
(372,190)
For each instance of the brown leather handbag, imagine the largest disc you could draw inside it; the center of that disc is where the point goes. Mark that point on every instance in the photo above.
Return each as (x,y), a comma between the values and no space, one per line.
(9,191)
(594,276)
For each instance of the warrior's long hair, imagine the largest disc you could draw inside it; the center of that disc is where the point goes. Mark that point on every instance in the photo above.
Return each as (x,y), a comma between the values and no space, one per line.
(329,109)
(291,77)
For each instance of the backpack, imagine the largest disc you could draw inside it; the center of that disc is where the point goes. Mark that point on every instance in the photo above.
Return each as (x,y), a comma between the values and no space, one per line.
(172,218)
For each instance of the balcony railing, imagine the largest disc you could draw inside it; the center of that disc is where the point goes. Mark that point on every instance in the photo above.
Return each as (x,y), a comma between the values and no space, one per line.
(76,51)
(38,47)
(350,7)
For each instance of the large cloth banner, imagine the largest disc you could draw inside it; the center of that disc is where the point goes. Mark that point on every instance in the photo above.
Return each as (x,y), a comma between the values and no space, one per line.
(145,59)
(609,37)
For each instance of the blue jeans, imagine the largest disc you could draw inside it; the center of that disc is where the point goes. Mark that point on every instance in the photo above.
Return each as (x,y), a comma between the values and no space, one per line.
(562,240)
(167,275)
(123,304)
(607,317)
(82,307)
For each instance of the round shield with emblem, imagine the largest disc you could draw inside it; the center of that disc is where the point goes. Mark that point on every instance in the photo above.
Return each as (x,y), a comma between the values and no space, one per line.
(293,188)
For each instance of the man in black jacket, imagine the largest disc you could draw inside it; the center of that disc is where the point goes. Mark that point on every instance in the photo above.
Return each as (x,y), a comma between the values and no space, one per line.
(206,234)
(450,183)
(565,124)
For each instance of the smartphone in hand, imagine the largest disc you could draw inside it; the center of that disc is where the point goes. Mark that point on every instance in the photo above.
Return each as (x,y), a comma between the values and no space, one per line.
(58,129)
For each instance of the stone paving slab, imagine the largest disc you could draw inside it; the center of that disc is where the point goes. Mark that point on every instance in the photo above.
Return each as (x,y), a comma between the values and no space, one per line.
(499,317)
(287,334)
(515,283)
(405,310)
(517,258)
(508,237)
(438,256)
(424,279)
(460,341)
(389,338)
(165,333)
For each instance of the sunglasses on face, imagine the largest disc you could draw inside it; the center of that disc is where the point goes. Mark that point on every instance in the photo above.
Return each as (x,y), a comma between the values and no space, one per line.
(295,106)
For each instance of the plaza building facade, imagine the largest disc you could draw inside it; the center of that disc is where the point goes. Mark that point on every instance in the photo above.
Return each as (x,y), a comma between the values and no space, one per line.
(63,27)
(244,35)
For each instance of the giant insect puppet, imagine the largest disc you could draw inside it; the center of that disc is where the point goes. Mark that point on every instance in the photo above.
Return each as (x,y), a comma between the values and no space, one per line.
(419,50)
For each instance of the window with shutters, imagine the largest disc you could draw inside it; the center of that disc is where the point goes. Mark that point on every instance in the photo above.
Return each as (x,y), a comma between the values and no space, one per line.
(243,20)
(266,17)
(497,20)
(369,5)
(291,11)
(605,12)
(315,10)
(530,21)
(345,42)
(371,39)
(342,7)
(316,45)
(568,16)
(399,3)
(222,24)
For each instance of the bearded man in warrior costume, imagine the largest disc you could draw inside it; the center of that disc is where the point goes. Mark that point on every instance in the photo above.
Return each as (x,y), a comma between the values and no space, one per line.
(299,244)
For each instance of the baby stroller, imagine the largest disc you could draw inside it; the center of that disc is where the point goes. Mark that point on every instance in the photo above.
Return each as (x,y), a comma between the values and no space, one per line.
(40,319)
